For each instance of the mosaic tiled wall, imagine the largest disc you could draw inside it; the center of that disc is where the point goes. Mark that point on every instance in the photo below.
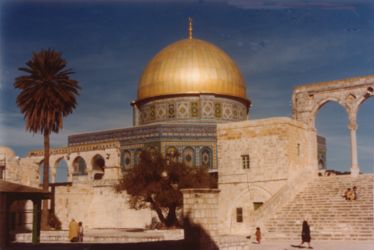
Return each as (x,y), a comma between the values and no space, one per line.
(192,154)
(192,108)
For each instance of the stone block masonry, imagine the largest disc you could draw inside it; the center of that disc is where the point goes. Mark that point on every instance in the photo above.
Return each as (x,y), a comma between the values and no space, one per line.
(201,224)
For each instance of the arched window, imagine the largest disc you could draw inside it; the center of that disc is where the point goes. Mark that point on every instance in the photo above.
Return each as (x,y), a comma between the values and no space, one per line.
(152,150)
(80,167)
(137,157)
(61,171)
(189,156)
(125,160)
(98,166)
(206,157)
(171,153)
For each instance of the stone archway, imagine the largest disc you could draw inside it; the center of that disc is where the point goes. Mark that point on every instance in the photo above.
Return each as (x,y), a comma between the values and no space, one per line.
(61,171)
(245,202)
(98,167)
(79,167)
(350,93)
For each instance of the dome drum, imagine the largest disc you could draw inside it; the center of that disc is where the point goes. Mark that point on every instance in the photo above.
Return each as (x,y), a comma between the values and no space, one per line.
(203,108)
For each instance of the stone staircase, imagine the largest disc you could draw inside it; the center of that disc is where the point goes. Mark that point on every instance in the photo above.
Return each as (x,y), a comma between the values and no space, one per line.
(329,215)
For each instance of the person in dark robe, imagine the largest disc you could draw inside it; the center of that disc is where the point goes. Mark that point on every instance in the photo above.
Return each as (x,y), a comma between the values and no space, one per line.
(305,234)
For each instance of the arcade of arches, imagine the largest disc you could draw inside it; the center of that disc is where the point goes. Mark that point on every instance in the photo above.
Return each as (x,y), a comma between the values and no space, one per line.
(349,93)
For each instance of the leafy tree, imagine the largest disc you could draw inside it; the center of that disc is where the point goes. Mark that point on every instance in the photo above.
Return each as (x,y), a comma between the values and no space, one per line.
(47,95)
(157,181)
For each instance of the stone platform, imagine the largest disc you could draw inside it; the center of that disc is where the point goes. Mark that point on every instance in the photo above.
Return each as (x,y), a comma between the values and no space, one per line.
(126,235)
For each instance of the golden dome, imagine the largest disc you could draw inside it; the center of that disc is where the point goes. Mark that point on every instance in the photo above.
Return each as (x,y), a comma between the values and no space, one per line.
(191,66)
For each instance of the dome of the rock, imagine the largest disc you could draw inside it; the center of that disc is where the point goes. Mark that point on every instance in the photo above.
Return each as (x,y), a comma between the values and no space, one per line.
(191,66)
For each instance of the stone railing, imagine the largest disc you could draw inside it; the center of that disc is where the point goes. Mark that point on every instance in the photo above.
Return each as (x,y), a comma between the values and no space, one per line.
(285,195)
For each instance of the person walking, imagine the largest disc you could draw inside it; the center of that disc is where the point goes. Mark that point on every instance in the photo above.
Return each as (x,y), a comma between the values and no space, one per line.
(258,235)
(73,231)
(305,234)
(80,237)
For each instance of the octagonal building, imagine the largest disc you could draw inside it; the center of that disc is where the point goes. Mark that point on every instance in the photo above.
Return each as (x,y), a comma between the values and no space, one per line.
(184,91)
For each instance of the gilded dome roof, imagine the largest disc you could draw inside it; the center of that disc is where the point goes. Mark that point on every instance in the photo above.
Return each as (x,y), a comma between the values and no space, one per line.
(191,66)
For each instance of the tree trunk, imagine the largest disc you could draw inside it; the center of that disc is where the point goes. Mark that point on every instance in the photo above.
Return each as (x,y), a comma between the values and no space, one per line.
(171,219)
(45,212)
(158,211)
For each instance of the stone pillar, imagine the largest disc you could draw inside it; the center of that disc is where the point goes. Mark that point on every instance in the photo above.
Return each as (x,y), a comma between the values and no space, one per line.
(353,127)
(36,221)
(4,215)
(200,212)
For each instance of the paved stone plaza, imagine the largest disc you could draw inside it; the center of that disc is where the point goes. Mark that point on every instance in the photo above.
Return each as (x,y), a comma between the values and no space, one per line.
(271,245)
(318,245)
(171,239)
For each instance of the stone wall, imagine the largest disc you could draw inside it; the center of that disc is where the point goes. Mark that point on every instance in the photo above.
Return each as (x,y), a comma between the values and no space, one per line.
(200,212)
(278,149)
(201,222)
(85,199)
(98,207)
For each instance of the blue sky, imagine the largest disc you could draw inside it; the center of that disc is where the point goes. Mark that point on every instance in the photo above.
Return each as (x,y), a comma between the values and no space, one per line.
(276,44)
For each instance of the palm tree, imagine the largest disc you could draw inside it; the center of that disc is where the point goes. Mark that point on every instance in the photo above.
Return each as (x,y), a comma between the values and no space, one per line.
(47,95)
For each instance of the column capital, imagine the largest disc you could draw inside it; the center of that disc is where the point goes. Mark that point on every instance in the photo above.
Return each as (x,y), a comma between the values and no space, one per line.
(352,125)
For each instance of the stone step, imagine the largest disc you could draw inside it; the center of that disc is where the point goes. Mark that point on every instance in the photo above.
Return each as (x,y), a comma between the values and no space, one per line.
(330,216)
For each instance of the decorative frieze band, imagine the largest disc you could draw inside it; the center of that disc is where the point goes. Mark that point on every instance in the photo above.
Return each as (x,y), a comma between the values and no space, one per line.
(80,148)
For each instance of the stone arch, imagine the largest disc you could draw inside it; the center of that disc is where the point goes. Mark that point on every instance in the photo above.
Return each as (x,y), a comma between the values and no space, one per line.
(331,126)
(152,149)
(245,199)
(171,153)
(369,93)
(206,157)
(350,93)
(137,154)
(319,105)
(125,160)
(61,170)
(79,166)
(21,216)
(171,150)
(365,121)
(98,167)
(188,156)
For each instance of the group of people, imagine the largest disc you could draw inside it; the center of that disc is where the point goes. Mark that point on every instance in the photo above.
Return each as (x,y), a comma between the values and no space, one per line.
(350,194)
(75,231)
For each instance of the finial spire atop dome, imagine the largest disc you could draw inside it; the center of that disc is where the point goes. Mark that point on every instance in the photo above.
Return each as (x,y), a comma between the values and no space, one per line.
(190,27)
